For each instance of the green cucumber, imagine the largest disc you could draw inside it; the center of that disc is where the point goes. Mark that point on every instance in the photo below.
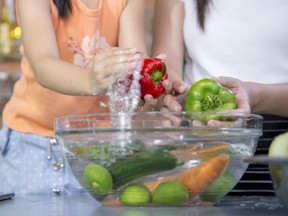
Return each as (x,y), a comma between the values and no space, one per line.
(140,165)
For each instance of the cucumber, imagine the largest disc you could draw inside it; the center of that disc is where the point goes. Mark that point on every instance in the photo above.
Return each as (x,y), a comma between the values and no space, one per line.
(140,165)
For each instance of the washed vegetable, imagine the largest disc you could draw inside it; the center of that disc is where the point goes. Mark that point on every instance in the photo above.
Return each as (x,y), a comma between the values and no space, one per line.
(139,165)
(278,148)
(100,151)
(153,74)
(220,188)
(200,151)
(197,179)
(170,193)
(136,194)
(97,179)
(207,95)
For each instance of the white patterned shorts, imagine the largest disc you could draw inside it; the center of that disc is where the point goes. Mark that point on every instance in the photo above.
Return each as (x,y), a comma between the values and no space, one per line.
(25,168)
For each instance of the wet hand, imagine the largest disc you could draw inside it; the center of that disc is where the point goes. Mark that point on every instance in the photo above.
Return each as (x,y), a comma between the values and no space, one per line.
(110,64)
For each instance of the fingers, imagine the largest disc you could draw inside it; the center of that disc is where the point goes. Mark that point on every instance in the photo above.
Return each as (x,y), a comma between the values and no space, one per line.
(230,124)
(150,100)
(180,87)
(227,82)
(162,56)
(167,86)
(170,102)
(116,57)
(239,88)
(112,64)
(177,87)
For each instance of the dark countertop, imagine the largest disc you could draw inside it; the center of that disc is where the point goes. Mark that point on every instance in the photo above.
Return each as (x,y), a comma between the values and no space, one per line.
(84,205)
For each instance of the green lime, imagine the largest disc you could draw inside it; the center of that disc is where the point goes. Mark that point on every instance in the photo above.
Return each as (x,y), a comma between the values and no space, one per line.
(136,194)
(97,179)
(170,193)
(278,148)
(219,188)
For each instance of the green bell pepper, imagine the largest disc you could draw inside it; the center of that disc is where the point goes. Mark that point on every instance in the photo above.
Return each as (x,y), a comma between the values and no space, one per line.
(207,95)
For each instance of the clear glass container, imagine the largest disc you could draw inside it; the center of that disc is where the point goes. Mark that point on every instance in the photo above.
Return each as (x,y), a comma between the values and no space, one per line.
(158,159)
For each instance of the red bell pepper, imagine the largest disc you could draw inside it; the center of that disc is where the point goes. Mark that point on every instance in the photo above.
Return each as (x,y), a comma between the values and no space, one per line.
(152,74)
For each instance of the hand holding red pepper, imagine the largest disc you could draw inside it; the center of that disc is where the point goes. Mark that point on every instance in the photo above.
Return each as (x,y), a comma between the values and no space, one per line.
(153,74)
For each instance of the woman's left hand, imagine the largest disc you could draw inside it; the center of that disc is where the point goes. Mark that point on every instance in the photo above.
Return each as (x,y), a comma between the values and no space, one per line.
(240,89)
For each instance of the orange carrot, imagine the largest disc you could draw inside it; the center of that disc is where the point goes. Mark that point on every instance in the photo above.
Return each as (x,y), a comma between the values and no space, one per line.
(214,148)
(196,152)
(114,202)
(198,178)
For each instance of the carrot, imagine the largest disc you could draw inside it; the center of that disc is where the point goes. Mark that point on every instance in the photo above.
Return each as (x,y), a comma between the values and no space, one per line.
(212,148)
(196,152)
(114,202)
(198,178)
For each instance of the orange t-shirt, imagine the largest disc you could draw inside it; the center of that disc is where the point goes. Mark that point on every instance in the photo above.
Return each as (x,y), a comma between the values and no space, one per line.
(32,108)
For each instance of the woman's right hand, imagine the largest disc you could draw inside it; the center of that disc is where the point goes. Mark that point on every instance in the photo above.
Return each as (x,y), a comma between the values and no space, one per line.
(174,98)
(112,63)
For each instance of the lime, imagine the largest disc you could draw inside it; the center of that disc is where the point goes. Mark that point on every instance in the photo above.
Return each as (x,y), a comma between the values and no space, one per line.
(219,188)
(136,194)
(278,148)
(97,179)
(170,193)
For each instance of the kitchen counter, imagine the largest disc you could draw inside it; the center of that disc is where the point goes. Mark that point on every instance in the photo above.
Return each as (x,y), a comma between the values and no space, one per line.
(84,205)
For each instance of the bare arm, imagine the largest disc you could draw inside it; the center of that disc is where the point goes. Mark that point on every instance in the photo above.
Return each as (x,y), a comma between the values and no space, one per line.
(132,32)
(50,71)
(269,98)
(258,98)
(168,35)
(42,52)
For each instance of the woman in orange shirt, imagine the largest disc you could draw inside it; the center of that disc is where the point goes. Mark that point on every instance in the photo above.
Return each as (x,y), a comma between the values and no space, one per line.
(70,51)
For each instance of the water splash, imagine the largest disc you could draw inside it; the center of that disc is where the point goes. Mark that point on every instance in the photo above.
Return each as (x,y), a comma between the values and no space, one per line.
(124,96)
